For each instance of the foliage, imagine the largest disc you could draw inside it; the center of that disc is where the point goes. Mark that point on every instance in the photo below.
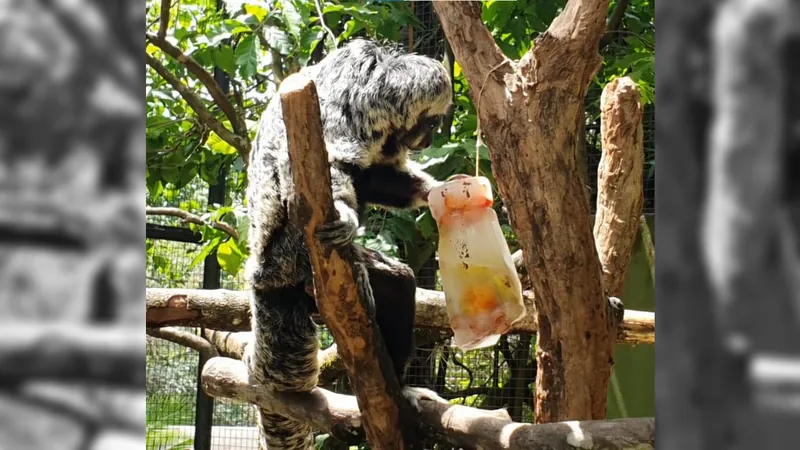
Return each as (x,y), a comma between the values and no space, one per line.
(257,43)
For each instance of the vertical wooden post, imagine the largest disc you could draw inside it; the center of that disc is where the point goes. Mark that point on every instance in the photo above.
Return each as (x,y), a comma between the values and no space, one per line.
(344,312)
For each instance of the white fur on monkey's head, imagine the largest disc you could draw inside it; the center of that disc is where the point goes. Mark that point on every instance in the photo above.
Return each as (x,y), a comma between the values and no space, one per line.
(391,90)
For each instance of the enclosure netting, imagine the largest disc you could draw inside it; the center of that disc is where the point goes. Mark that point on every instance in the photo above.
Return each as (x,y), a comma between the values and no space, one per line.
(500,376)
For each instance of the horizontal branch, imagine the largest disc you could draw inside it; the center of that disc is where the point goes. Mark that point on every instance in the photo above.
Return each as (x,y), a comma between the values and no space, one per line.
(217,309)
(339,416)
(187,339)
(186,216)
(240,143)
(75,352)
(227,310)
(231,344)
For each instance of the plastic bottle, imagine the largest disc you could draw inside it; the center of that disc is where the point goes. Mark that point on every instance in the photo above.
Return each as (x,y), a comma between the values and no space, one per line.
(480,283)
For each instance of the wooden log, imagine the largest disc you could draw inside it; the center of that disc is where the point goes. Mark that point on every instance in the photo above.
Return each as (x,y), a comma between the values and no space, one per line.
(638,327)
(619,181)
(459,425)
(345,313)
(218,309)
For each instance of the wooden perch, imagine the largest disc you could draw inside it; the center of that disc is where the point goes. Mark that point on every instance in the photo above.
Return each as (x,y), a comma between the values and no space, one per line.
(326,411)
(462,426)
(619,181)
(360,345)
(217,309)
(200,344)
(232,344)
(230,311)
(76,352)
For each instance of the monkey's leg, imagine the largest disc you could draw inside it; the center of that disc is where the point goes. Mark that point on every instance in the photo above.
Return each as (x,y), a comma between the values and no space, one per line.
(394,290)
(283,356)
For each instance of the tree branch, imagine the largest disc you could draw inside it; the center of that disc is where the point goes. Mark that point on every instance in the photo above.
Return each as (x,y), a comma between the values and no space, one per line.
(163,25)
(241,143)
(474,49)
(217,309)
(186,216)
(462,426)
(226,310)
(229,344)
(204,77)
(339,299)
(614,23)
(197,343)
(33,351)
(619,181)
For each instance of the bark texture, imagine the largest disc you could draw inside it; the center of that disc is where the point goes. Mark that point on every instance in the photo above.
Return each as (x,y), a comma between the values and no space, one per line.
(638,327)
(530,111)
(217,309)
(461,426)
(619,181)
(344,311)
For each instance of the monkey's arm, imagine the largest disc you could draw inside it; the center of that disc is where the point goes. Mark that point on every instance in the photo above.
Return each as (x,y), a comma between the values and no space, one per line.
(404,187)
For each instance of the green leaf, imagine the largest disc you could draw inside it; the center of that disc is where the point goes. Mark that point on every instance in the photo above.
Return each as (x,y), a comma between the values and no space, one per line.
(294,18)
(256,10)
(427,225)
(247,56)
(230,257)
(219,146)
(223,57)
(278,40)
(204,252)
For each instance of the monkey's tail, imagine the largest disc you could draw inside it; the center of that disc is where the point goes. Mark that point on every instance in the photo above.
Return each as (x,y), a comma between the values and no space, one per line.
(283,356)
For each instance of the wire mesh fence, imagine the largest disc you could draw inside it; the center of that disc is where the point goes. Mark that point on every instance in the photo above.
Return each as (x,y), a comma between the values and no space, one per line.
(501,376)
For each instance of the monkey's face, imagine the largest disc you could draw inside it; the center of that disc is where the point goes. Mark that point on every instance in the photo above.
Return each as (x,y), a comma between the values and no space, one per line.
(421,135)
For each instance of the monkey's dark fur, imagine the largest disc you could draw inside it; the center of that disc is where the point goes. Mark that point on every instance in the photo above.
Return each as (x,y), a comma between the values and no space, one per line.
(377,105)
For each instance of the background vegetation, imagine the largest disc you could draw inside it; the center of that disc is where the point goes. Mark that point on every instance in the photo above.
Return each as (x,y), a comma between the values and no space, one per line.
(255,44)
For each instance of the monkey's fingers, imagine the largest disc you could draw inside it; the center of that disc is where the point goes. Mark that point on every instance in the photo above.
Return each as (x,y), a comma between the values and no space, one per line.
(337,233)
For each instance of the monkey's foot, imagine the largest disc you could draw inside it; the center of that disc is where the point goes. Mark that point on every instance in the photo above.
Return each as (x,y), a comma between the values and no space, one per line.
(415,394)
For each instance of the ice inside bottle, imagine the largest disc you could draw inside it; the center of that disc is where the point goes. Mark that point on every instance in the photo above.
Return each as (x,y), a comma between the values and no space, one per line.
(482,290)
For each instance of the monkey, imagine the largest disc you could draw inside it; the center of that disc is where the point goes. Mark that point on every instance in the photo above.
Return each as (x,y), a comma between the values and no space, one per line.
(377,105)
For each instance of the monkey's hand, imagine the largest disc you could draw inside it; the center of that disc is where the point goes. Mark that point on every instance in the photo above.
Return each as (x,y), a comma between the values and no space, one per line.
(342,231)
(415,394)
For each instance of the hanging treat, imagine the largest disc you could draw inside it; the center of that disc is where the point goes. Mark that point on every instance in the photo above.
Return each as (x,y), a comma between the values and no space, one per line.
(480,283)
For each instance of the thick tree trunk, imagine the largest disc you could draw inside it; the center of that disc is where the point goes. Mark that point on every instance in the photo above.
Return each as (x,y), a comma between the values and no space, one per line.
(529,111)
